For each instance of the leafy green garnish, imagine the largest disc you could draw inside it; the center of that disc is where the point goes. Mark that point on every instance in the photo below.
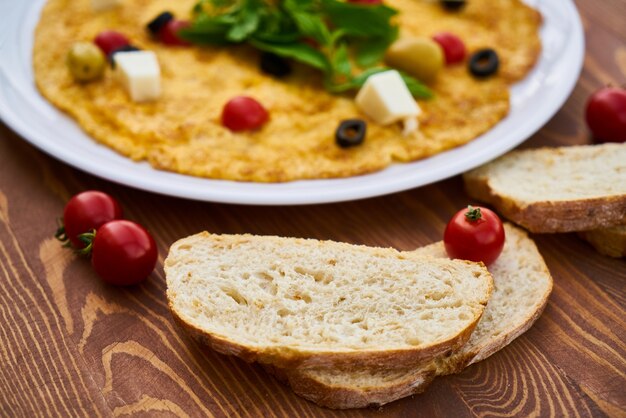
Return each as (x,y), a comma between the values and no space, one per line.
(247,22)
(329,35)
(298,51)
(416,88)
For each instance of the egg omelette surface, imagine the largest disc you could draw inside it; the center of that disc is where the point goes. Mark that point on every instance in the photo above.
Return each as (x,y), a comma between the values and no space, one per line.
(182,131)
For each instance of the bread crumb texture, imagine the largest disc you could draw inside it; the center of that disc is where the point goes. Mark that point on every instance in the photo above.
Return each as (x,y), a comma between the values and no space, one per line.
(522,286)
(268,292)
(559,174)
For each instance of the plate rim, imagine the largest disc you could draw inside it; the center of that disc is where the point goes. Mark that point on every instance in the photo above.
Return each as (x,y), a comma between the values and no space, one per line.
(298,192)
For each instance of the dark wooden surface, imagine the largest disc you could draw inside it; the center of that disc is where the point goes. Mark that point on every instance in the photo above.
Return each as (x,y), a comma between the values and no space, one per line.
(72,346)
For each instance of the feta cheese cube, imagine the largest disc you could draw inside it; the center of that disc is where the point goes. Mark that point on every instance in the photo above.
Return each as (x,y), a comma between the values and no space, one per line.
(102,5)
(140,74)
(386,99)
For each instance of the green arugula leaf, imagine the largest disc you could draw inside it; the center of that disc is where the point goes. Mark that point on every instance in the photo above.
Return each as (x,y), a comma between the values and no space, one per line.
(312,26)
(308,20)
(341,62)
(207,31)
(372,51)
(203,38)
(299,5)
(277,27)
(359,20)
(298,51)
(360,34)
(417,89)
(248,19)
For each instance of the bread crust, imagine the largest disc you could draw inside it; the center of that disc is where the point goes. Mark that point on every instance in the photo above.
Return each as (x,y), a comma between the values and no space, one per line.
(341,397)
(286,357)
(607,241)
(499,344)
(345,397)
(301,358)
(550,216)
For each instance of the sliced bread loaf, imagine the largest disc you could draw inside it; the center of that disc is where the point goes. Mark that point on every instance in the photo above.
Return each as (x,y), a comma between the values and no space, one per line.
(522,286)
(563,189)
(607,241)
(307,303)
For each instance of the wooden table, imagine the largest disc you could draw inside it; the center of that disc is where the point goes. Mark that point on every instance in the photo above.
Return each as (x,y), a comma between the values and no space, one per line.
(72,346)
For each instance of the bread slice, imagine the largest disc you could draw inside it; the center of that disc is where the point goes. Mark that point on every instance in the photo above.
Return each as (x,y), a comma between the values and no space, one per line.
(556,189)
(522,287)
(607,241)
(307,303)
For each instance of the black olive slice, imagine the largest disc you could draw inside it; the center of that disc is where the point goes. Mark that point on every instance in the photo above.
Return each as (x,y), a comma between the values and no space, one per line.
(156,24)
(275,65)
(351,132)
(453,5)
(484,63)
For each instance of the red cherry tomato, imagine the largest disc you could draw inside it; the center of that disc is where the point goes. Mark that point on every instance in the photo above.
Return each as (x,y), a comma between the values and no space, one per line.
(87,211)
(169,33)
(453,47)
(474,234)
(244,113)
(109,40)
(123,253)
(606,115)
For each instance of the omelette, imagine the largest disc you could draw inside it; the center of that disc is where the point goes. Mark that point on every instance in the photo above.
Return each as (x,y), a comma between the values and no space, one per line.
(182,131)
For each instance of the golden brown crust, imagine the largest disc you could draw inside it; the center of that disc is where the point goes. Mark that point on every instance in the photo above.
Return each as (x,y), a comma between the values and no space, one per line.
(607,241)
(460,361)
(550,217)
(302,358)
(341,397)
(498,345)
(286,357)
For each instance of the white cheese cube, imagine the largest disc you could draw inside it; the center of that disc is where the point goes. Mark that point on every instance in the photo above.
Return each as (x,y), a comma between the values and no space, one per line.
(102,5)
(140,74)
(386,99)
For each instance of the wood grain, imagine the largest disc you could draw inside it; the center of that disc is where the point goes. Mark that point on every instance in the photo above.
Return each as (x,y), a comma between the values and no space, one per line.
(72,346)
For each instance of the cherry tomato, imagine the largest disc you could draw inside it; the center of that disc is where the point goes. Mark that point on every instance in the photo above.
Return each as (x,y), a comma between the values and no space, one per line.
(453,47)
(606,115)
(474,234)
(123,253)
(244,113)
(110,40)
(169,33)
(87,211)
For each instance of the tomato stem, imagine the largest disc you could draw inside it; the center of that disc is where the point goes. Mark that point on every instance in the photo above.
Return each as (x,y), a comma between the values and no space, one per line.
(473,214)
(87,239)
(61,235)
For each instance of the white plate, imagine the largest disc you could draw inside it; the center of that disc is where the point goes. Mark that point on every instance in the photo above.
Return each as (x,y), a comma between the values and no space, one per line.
(533,102)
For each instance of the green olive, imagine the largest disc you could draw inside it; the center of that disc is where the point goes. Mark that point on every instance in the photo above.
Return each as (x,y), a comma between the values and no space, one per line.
(85,61)
(420,57)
